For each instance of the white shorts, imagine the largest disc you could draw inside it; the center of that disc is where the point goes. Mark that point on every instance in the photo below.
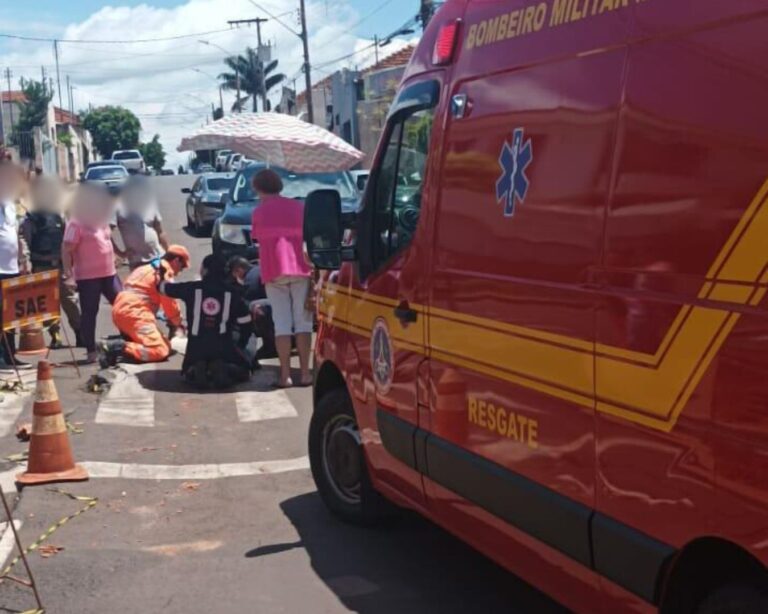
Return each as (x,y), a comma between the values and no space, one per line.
(287,296)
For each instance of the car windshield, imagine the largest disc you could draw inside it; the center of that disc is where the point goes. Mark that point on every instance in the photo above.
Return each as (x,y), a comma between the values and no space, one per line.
(126,155)
(106,172)
(219,184)
(295,185)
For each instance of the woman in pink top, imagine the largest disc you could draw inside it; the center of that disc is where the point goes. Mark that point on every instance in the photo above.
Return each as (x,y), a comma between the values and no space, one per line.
(89,258)
(277,226)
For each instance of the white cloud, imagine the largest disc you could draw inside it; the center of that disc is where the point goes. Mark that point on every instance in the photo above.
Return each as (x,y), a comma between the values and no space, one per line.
(157,81)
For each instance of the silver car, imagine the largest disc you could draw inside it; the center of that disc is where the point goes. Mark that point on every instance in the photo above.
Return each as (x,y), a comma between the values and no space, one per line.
(204,203)
(112,177)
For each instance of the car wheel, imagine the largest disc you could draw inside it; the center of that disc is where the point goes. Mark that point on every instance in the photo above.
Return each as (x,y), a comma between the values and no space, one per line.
(338,462)
(736,598)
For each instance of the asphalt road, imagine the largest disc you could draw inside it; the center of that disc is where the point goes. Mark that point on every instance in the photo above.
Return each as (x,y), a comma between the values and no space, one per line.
(207,506)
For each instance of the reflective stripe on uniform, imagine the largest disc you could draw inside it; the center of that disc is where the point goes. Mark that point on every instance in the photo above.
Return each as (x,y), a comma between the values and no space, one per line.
(196,314)
(225,313)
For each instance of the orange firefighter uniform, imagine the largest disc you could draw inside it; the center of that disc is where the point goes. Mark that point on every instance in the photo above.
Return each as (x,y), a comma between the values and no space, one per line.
(134,312)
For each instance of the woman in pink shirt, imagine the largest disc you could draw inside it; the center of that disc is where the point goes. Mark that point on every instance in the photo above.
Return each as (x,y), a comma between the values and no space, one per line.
(89,257)
(277,225)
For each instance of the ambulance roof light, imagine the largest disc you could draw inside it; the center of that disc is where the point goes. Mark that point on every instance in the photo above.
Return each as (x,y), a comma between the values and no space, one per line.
(445,45)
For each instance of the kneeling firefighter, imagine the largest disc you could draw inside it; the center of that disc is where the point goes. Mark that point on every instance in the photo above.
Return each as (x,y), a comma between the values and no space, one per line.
(135,310)
(216,317)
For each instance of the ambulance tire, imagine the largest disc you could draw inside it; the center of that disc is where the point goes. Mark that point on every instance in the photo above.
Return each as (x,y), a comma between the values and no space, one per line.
(351,497)
(735,599)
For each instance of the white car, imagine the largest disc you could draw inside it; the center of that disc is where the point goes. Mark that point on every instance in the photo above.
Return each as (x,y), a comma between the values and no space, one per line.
(131,159)
(221,158)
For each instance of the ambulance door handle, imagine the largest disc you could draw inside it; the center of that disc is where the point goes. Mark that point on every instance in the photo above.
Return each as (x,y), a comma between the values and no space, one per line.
(405,314)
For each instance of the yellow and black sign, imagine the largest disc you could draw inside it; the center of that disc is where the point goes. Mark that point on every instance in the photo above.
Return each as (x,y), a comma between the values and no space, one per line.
(30,299)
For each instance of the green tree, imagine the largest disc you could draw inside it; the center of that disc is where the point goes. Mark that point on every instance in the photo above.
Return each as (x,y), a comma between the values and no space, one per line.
(153,153)
(256,78)
(35,110)
(112,128)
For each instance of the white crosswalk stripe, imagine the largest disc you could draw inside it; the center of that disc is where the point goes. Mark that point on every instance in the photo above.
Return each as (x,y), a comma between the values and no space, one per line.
(258,401)
(128,402)
(10,408)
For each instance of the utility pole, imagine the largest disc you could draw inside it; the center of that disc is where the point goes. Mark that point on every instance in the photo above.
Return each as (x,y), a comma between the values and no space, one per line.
(221,99)
(307,76)
(2,115)
(376,48)
(44,79)
(8,75)
(69,95)
(258,21)
(58,74)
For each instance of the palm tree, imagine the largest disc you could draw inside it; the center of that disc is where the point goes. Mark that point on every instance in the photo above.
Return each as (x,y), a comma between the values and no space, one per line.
(256,78)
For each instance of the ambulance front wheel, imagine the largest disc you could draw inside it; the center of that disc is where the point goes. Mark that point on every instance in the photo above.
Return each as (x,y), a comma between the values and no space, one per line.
(338,463)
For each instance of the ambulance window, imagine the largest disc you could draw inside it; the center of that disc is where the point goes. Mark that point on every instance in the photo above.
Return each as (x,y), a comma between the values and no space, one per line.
(400,182)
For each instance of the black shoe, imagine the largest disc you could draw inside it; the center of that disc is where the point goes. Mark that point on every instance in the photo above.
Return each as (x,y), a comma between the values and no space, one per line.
(56,343)
(110,351)
(23,365)
(265,352)
(197,375)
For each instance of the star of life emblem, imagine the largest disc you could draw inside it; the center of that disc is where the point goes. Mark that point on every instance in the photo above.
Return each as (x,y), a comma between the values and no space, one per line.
(382,361)
(514,159)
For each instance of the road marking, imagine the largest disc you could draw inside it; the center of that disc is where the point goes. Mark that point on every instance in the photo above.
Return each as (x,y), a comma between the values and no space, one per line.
(10,408)
(128,402)
(7,541)
(259,402)
(133,471)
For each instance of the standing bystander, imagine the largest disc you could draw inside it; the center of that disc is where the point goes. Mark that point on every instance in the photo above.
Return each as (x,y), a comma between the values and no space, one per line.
(277,226)
(89,257)
(13,257)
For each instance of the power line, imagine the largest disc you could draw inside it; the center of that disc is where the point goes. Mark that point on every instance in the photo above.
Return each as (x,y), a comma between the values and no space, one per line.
(39,39)
(275,17)
(344,57)
(371,14)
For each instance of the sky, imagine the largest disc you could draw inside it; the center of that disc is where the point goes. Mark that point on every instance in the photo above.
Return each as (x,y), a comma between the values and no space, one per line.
(171,84)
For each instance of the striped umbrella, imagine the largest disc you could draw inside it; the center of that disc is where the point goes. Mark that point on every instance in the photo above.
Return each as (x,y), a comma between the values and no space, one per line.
(277,139)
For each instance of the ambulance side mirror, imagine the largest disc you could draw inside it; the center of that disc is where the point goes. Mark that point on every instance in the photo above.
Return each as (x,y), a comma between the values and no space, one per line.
(323,230)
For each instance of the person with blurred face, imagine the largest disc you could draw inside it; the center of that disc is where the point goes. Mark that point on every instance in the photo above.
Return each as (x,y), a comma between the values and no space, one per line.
(135,311)
(140,223)
(43,231)
(89,257)
(13,256)
(277,226)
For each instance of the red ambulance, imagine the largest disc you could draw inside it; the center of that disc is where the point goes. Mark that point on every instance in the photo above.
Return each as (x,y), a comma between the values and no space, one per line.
(548,332)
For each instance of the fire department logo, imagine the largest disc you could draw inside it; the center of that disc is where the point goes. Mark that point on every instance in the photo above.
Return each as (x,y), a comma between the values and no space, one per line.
(512,185)
(382,361)
(211,306)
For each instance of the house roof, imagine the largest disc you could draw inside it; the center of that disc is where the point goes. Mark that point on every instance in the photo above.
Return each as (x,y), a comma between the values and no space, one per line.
(65,117)
(399,58)
(12,96)
(320,85)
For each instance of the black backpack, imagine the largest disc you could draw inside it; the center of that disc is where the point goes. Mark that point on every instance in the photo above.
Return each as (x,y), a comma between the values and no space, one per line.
(47,234)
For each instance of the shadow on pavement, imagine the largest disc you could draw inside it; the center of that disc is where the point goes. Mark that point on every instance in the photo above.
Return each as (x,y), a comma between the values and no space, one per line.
(411,566)
(170,380)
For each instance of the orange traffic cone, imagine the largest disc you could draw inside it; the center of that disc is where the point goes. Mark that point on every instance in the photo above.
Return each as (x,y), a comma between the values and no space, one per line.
(50,455)
(31,341)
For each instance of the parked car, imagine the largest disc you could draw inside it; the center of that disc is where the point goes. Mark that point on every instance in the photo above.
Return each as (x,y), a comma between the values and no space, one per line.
(167,171)
(204,168)
(112,177)
(233,163)
(231,233)
(361,178)
(221,158)
(131,159)
(204,203)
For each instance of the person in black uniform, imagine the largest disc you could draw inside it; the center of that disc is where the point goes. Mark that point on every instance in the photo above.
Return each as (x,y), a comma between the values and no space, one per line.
(247,278)
(43,231)
(216,316)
